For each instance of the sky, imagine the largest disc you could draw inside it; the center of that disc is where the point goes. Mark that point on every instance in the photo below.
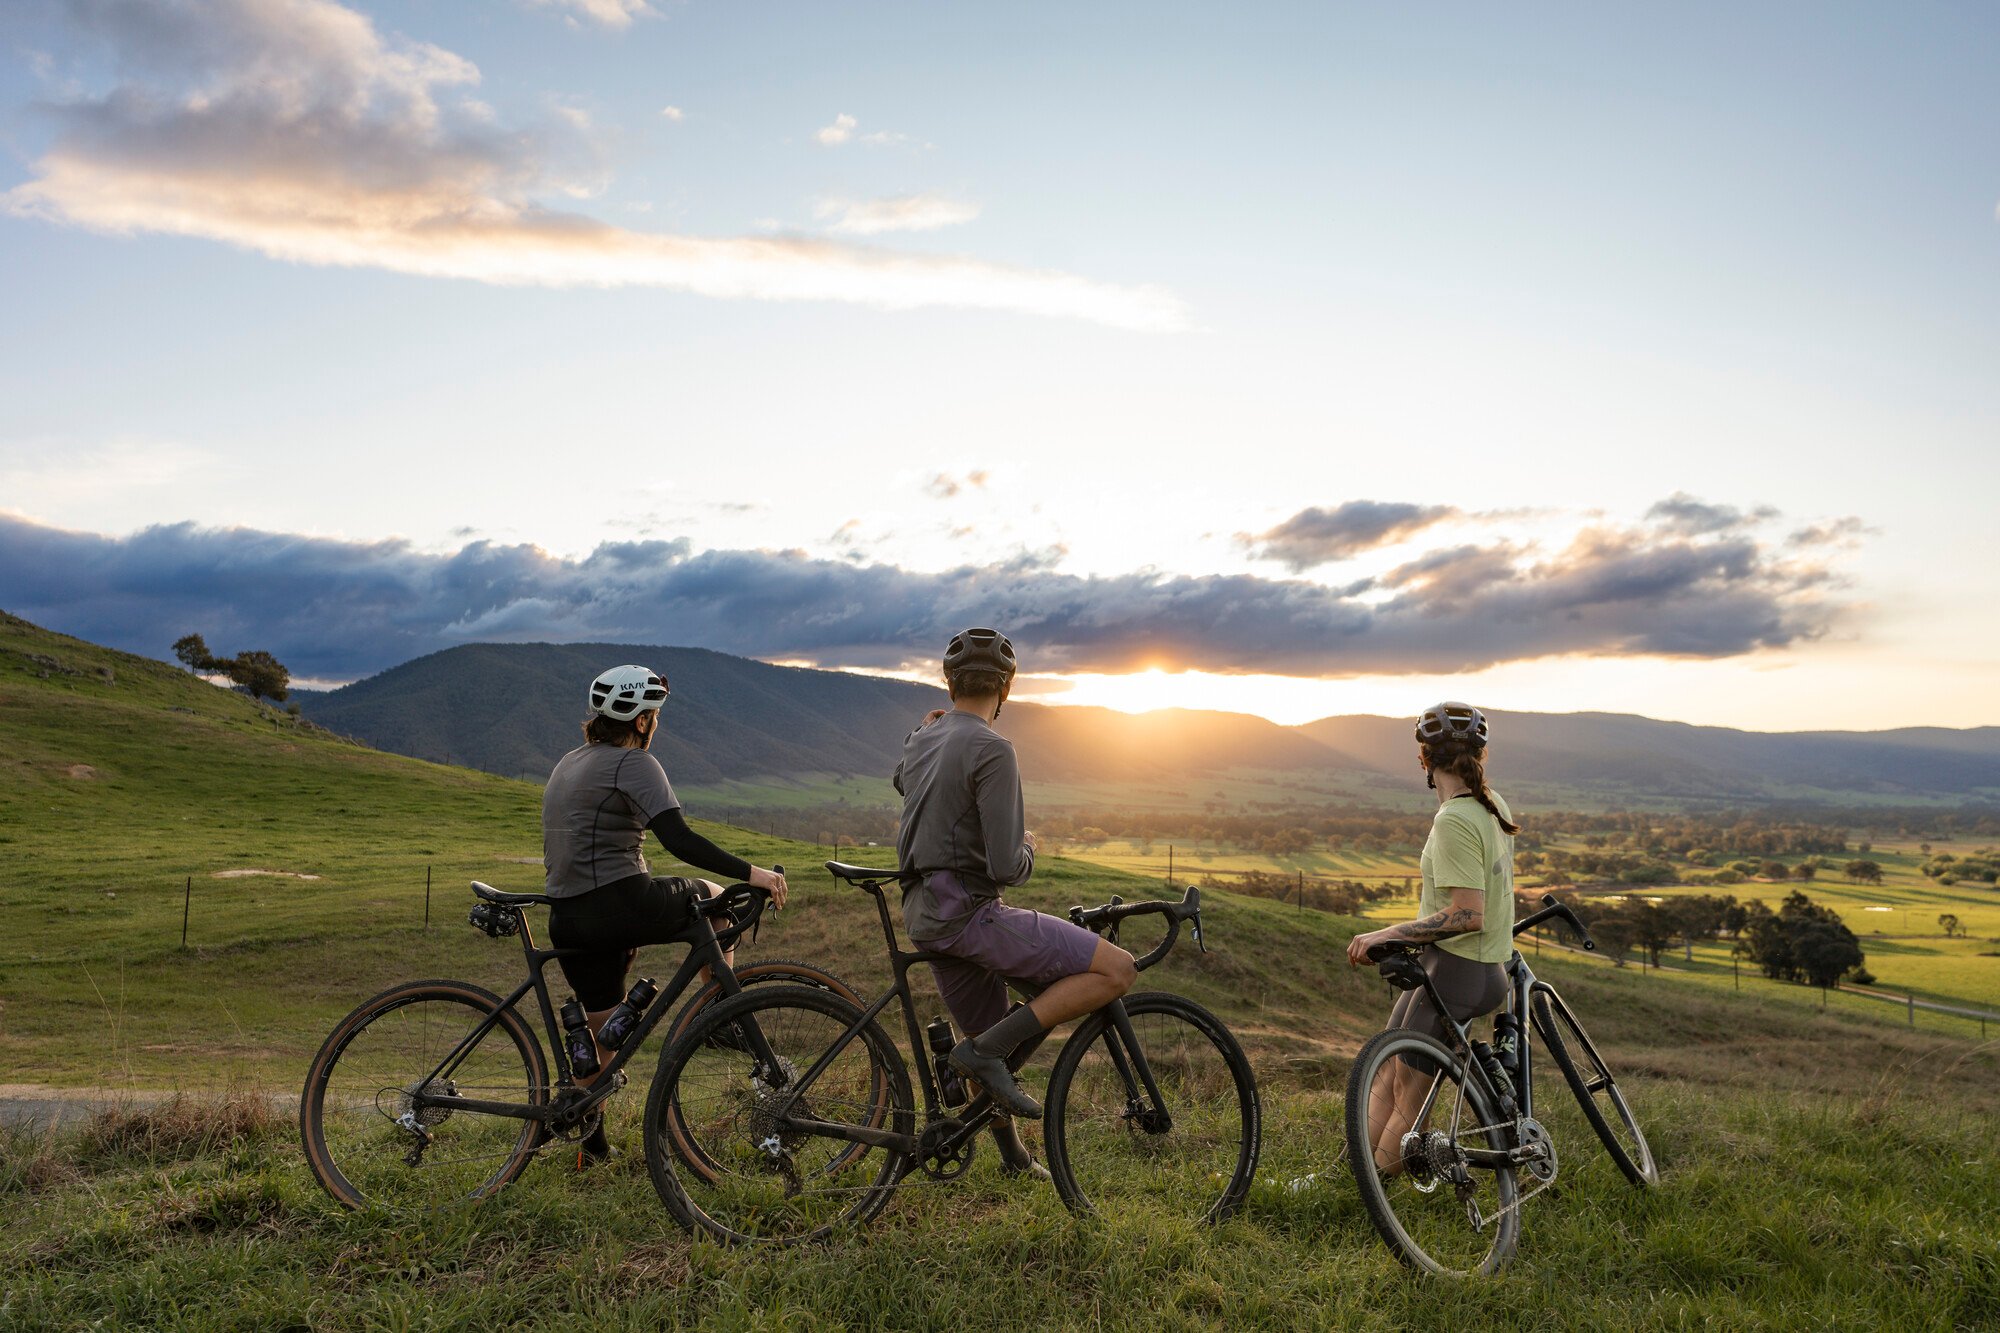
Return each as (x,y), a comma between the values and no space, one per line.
(1287,359)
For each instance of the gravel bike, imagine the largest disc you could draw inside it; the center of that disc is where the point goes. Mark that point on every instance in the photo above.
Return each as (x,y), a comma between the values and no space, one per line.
(1444,1183)
(437,1091)
(1150,1101)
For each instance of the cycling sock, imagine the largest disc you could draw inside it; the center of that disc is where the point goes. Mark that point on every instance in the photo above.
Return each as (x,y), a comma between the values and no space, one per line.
(1001,1039)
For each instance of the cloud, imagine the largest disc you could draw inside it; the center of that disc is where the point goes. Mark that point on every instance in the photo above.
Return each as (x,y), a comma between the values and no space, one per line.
(293,128)
(610,13)
(333,608)
(673,113)
(1681,512)
(903,212)
(838,133)
(1843,532)
(944,486)
(1321,536)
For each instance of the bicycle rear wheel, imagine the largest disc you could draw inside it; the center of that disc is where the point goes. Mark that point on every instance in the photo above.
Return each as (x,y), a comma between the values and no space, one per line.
(1165,1118)
(766,972)
(1436,1208)
(364,1078)
(724,1151)
(1597,1092)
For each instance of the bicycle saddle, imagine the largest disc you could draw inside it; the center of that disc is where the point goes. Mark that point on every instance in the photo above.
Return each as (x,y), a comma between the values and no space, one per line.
(857,874)
(493,895)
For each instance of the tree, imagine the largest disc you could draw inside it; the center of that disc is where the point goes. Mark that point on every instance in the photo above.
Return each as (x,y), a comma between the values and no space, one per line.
(1863,872)
(1804,870)
(1952,925)
(193,653)
(263,675)
(1825,951)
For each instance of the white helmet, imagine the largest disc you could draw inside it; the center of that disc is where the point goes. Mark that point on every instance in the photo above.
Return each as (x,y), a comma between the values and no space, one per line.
(624,692)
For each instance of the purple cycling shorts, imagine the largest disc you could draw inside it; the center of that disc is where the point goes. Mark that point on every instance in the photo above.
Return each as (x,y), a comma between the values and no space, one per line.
(997,945)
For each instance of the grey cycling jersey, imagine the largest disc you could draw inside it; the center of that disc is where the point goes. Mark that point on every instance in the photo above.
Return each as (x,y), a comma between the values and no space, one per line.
(962,812)
(595,810)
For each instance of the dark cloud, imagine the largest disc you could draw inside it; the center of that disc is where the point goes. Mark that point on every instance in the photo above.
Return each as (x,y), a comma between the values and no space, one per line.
(1681,512)
(1321,536)
(340,609)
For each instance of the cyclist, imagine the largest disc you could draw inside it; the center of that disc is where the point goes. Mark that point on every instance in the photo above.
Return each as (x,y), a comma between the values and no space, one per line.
(963,839)
(600,800)
(1467,904)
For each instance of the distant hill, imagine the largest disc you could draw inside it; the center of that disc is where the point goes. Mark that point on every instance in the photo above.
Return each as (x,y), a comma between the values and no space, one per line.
(514,708)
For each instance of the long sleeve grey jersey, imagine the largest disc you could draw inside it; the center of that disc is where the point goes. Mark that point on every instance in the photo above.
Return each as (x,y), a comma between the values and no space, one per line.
(962,812)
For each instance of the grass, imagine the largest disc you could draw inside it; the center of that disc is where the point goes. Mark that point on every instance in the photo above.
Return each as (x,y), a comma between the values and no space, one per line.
(1823,1170)
(1780,1210)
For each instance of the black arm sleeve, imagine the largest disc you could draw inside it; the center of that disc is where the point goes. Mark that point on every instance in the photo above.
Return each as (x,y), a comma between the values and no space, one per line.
(684,844)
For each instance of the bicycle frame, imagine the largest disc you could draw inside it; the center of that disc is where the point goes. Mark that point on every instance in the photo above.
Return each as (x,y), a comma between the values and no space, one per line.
(981,1110)
(705,950)
(1522,984)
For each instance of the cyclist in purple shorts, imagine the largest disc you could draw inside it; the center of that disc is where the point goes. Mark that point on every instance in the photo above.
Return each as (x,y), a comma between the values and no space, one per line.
(963,839)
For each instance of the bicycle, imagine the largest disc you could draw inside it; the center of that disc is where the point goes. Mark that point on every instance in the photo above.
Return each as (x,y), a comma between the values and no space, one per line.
(438,1091)
(1488,1137)
(1150,1101)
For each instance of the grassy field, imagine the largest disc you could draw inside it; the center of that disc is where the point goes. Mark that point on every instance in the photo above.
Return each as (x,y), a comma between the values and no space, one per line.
(1896,921)
(1822,1170)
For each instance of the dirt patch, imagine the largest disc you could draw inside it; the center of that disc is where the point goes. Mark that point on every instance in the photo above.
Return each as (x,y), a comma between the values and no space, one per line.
(281,874)
(520,860)
(81,772)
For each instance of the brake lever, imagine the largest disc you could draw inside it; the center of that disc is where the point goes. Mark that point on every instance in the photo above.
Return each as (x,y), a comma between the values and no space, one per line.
(1199,942)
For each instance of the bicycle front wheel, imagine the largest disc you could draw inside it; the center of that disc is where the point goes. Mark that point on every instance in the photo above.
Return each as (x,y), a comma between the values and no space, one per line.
(1597,1092)
(1159,1112)
(1415,1121)
(724,1142)
(367,1140)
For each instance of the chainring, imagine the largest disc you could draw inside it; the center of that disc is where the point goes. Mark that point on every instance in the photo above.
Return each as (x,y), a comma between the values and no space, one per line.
(937,1164)
(1542,1165)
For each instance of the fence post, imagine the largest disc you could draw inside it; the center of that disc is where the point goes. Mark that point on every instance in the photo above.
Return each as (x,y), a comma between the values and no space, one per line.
(1913,1009)
(427,897)
(187,900)
(1170,865)
(1302,890)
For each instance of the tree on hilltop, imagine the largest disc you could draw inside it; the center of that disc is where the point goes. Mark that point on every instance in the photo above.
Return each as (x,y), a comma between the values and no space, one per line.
(263,675)
(193,652)
(1863,872)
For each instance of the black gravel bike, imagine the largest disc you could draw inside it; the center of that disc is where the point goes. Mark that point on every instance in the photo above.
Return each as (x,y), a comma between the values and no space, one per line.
(1150,1101)
(436,1092)
(1442,1136)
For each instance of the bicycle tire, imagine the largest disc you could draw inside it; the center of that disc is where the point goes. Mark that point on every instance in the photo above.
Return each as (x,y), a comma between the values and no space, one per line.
(812,1184)
(355,1148)
(1628,1151)
(1421,1214)
(766,972)
(1106,1150)
(788,971)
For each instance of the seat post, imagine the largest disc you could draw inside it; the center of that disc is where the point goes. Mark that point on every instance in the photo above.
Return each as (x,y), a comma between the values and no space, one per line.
(888,926)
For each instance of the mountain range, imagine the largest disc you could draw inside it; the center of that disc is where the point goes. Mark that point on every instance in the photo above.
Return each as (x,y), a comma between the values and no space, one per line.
(515,708)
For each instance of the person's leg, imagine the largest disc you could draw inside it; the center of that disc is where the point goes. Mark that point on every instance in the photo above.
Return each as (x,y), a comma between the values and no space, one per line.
(1469,989)
(1398,1092)
(1111,974)
(1044,951)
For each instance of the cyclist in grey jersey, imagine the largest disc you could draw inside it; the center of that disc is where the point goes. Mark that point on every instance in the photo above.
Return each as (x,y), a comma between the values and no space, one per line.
(600,802)
(962,841)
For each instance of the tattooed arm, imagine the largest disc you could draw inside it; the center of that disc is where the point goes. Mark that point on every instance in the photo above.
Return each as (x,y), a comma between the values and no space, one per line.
(1464,916)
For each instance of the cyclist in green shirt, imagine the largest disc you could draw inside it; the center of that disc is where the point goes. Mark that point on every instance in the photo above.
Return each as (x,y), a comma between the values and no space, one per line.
(1466,910)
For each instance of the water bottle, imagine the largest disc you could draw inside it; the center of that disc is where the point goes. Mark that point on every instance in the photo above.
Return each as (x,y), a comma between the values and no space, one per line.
(951,1084)
(1496,1074)
(1507,1041)
(577,1041)
(624,1019)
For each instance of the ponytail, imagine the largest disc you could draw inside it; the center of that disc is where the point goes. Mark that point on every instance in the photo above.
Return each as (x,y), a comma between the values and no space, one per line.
(1468,766)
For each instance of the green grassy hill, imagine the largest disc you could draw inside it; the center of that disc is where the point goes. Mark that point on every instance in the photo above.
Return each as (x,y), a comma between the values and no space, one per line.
(1821,1170)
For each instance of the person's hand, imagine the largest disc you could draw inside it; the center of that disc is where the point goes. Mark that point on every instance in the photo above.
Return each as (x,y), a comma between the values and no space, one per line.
(1358,947)
(1031,840)
(931,717)
(771,880)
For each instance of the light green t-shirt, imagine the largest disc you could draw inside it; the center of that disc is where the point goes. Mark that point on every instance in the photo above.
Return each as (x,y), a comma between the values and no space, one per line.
(1468,850)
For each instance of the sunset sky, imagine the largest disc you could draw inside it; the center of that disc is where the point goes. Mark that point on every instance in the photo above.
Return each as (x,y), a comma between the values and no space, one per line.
(1290,359)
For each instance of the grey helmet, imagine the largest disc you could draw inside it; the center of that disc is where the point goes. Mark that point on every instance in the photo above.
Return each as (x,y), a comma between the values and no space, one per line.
(980,649)
(1452,721)
(624,692)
